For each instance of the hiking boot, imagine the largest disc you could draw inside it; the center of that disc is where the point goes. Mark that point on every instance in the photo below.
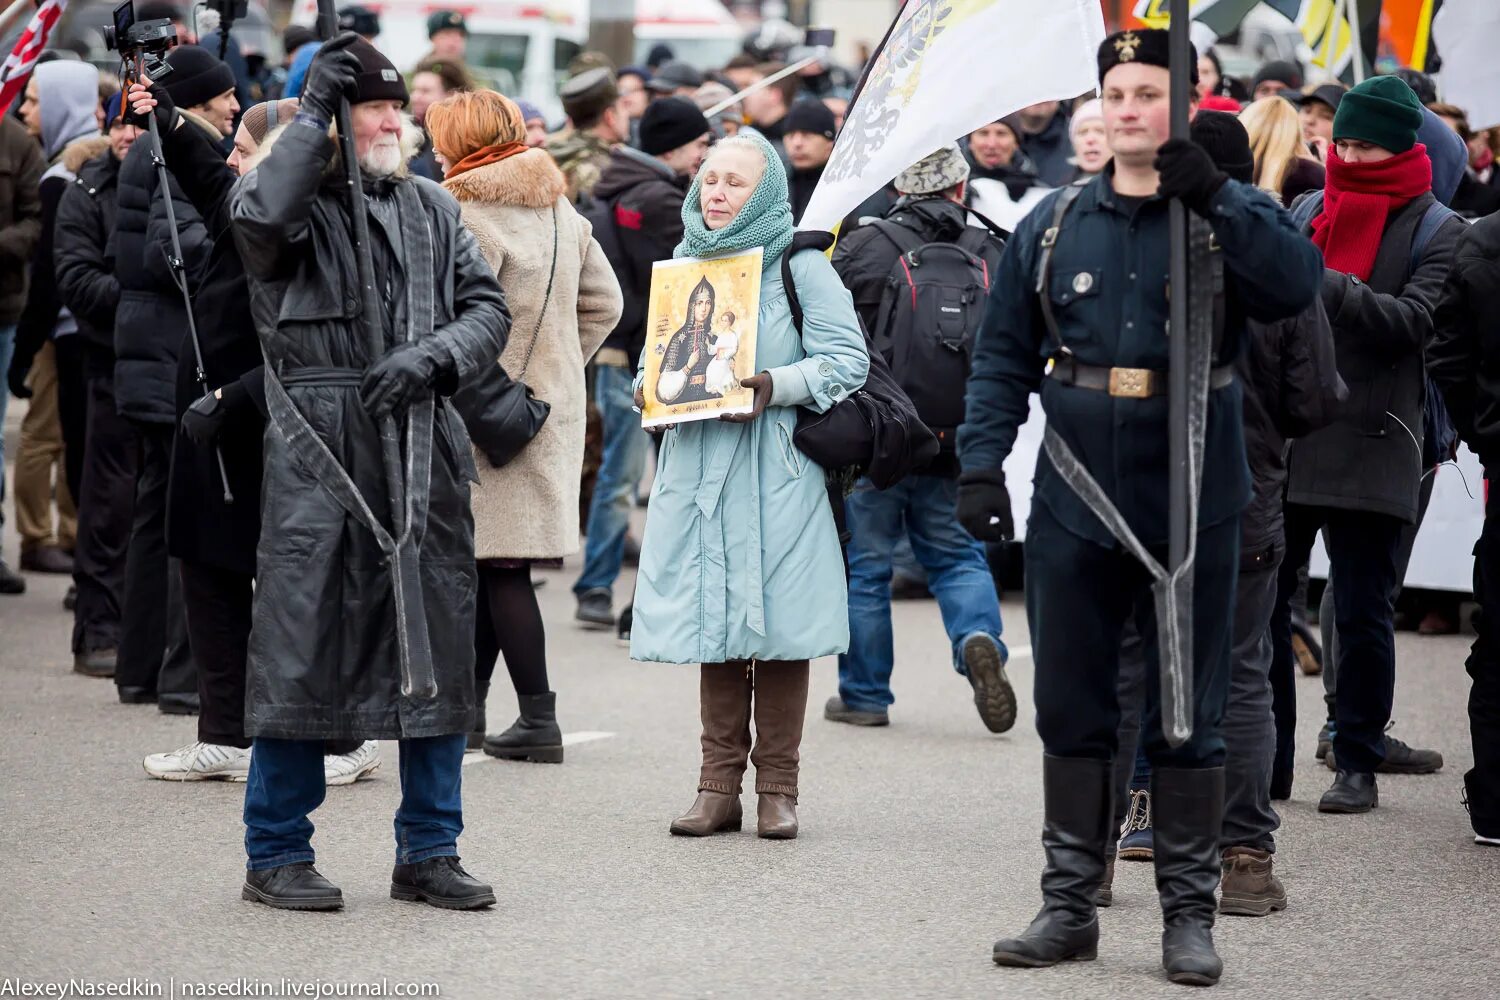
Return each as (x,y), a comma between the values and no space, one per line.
(534,736)
(1352,792)
(1135,835)
(984,665)
(440,882)
(11,582)
(1399,759)
(594,608)
(296,886)
(836,711)
(46,559)
(95,663)
(1249,887)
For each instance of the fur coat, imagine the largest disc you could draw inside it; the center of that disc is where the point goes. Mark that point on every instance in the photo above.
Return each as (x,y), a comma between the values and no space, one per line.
(529,508)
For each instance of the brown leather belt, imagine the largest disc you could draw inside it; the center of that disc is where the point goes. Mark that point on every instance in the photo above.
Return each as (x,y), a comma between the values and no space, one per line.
(1125,383)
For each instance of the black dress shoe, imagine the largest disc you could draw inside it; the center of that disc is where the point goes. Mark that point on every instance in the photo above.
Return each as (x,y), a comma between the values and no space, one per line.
(296,886)
(1352,792)
(11,582)
(177,704)
(95,663)
(441,882)
(136,695)
(47,559)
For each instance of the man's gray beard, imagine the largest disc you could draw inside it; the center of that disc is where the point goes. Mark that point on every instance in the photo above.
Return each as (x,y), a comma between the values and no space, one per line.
(380,162)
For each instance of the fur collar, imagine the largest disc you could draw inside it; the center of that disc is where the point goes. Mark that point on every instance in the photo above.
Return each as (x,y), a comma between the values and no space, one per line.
(528,180)
(80,151)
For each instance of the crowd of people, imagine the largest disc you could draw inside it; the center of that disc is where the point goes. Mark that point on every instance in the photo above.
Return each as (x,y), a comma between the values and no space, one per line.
(300,447)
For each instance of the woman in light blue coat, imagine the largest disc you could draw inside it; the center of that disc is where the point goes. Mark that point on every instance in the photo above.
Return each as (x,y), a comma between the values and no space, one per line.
(740,566)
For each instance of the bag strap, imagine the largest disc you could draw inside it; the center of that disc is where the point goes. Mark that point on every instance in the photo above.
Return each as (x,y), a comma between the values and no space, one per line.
(807,240)
(546,299)
(1044,267)
(1432,220)
(994,227)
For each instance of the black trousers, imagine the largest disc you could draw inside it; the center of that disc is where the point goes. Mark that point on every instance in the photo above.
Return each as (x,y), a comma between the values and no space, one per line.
(1363,550)
(72,407)
(106,504)
(154,652)
(1078,598)
(218,606)
(1483,782)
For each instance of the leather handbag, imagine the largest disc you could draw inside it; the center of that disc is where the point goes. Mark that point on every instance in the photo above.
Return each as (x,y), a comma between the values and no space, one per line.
(502,413)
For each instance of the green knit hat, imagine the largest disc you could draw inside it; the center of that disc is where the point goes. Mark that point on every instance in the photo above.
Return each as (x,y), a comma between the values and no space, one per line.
(1383,110)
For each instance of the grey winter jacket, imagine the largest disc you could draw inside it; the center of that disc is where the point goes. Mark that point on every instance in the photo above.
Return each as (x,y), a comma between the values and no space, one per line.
(1370,459)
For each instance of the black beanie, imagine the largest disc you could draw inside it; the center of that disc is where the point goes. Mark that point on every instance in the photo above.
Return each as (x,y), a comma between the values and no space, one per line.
(810,116)
(378,79)
(669,123)
(197,77)
(1227,143)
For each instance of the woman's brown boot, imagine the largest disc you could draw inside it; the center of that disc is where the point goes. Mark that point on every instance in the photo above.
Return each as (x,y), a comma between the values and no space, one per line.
(780,708)
(724,703)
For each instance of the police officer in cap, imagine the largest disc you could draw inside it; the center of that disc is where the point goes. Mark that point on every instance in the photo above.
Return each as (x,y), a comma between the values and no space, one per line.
(596,124)
(1078,313)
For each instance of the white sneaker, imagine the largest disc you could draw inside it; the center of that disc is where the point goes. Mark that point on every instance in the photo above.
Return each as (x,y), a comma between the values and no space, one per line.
(200,762)
(347,768)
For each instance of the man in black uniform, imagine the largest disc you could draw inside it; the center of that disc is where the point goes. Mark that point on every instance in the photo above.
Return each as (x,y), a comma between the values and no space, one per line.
(1084,286)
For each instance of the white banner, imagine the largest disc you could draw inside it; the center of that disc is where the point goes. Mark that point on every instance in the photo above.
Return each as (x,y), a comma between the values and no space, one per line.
(949,67)
(1468,36)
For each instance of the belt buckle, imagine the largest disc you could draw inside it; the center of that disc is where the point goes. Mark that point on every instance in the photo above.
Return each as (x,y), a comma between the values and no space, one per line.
(1130,383)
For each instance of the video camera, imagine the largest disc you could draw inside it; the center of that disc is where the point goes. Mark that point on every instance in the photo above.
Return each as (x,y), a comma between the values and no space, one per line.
(141,44)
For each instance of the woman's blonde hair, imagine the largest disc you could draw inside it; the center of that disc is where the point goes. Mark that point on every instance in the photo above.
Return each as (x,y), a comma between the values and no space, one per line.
(468,121)
(1275,140)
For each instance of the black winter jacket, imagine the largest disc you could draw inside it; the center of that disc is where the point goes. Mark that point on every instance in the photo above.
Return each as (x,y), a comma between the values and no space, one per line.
(645,202)
(1463,356)
(84,259)
(151,320)
(1370,459)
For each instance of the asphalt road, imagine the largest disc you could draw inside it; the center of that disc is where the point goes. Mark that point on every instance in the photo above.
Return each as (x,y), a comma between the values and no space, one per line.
(919,847)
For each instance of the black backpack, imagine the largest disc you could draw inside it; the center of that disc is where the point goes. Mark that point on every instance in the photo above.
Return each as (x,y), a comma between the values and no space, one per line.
(874,432)
(601,215)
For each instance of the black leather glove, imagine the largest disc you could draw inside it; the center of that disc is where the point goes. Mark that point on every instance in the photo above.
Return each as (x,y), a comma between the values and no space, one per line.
(204,420)
(332,76)
(1188,173)
(16,379)
(393,381)
(984,505)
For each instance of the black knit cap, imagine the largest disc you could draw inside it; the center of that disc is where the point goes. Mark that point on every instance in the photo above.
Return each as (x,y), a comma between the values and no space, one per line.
(1281,71)
(378,79)
(1227,143)
(669,123)
(196,77)
(1143,45)
(810,116)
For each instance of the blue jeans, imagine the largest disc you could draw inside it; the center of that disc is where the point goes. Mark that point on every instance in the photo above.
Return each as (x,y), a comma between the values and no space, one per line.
(7,348)
(922,508)
(623,465)
(286,785)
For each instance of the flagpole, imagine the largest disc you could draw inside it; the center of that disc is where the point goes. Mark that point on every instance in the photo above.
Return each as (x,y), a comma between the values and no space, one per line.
(1179,483)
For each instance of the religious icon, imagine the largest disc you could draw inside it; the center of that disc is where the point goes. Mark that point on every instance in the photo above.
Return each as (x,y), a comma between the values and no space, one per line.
(700,337)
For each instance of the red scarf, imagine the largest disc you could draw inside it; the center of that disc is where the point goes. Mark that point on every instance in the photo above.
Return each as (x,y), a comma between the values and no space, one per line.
(1358,200)
(485,155)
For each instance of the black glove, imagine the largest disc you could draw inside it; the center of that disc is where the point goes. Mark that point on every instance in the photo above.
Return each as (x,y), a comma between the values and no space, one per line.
(166,111)
(984,505)
(393,381)
(333,74)
(16,378)
(1188,173)
(204,420)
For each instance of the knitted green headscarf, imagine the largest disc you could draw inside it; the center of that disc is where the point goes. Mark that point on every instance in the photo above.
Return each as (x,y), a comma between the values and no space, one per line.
(765,220)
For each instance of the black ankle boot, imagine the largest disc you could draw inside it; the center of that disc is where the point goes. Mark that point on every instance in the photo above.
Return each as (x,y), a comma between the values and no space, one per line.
(296,886)
(535,736)
(1079,813)
(441,882)
(1188,812)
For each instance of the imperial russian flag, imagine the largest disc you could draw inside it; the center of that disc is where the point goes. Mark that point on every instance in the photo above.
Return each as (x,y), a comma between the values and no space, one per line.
(22,59)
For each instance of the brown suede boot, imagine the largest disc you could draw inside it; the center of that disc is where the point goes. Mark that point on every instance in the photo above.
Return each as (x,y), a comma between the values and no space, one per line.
(780,709)
(724,691)
(1248,886)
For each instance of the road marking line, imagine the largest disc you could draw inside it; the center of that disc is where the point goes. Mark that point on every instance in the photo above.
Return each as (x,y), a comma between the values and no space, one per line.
(569,739)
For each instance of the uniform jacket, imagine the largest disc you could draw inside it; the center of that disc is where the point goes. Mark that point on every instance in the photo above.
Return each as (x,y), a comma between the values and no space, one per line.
(324,656)
(741,557)
(151,320)
(84,264)
(528,509)
(21,167)
(647,212)
(1370,459)
(582,157)
(1463,356)
(1108,292)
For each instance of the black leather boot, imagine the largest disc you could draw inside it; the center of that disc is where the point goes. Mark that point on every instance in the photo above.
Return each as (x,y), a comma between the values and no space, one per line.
(535,736)
(1079,813)
(442,882)
(1188,808)
(476,732)
(296,886)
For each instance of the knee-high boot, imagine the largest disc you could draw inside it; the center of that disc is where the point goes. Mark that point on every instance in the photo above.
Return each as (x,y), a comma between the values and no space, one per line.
(1079,813)
(780,709)
(724,703)
(1188,811)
